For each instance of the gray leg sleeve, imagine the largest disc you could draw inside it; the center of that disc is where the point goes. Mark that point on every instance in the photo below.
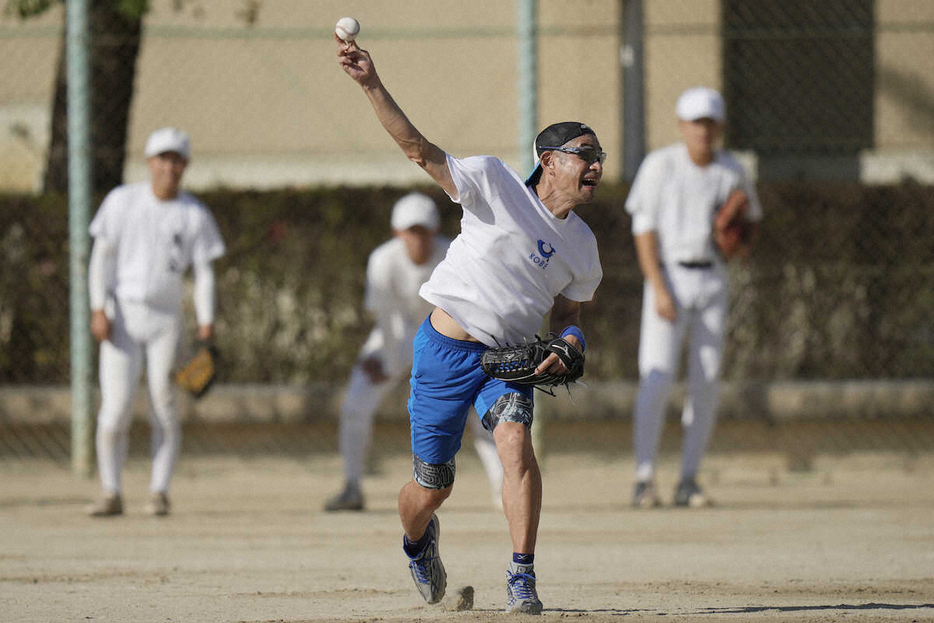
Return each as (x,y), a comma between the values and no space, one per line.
(433,476)
(509,408)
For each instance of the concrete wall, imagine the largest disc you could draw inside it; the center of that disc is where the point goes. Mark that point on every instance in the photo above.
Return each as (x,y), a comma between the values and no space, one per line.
(904,103)
(268,106)
(598,400)
(682,50)
(29,52)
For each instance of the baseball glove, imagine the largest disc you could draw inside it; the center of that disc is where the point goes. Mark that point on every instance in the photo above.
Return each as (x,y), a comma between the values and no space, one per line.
(732,228)
(200,371)
(516,364)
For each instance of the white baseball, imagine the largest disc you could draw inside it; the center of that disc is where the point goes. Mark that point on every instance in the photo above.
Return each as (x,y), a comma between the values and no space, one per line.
(347,28)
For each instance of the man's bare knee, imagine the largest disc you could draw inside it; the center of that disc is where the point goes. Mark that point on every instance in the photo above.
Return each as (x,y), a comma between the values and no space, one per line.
(511,435)
(514,445)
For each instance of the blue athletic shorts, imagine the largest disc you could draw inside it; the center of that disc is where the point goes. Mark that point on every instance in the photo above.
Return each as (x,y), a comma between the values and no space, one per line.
(446,380)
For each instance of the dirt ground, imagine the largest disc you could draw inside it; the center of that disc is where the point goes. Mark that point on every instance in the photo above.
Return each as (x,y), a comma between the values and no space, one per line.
(847,537)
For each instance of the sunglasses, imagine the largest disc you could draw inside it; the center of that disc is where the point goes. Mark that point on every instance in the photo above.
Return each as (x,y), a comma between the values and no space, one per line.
(587,154)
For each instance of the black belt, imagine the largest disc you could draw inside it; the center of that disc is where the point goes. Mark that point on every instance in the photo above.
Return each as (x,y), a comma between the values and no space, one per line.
(702,264)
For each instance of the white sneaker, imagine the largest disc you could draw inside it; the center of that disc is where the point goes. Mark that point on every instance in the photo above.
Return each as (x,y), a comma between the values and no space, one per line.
(521,595)
(431,579)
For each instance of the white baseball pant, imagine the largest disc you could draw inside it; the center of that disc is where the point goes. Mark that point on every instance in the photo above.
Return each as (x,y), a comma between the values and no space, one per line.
(138,331)
(701,299)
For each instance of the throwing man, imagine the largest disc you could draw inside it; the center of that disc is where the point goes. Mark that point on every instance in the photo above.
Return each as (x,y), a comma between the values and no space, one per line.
(146,235)
(521,253)
(395,271)
(674,201)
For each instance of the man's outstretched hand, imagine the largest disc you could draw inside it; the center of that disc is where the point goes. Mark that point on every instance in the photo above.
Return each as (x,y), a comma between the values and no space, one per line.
(356,62)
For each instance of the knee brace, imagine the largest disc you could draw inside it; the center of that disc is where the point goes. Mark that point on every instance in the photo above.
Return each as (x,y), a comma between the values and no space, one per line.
(509,408)
(433,475)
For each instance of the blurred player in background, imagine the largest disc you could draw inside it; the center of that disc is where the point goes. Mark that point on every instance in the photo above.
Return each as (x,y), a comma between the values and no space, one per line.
(146,235)
(521,253)
(395,271)
(673,202)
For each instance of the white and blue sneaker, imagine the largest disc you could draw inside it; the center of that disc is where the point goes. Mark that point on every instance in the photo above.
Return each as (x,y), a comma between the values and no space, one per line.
(521,595)
(427,570)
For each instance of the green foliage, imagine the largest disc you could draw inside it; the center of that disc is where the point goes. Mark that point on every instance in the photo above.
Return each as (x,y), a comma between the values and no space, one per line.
(133,8)
(33,290)
(840,285)
(25,9)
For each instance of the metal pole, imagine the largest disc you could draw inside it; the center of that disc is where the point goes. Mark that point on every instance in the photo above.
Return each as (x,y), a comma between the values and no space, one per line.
(632,60)
(527,34)
(79,201)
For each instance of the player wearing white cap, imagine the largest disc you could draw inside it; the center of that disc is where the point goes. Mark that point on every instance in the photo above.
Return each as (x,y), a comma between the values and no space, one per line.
(395,271)
(146,236)
(522,252)
(673,201)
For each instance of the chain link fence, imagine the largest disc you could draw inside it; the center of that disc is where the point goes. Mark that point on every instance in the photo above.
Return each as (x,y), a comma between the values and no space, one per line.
(800,76)
(824,100)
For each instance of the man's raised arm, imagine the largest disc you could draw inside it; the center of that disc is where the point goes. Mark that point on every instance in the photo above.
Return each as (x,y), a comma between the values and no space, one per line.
(359,66)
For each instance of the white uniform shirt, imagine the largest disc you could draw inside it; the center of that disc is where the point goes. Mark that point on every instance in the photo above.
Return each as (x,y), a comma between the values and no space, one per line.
(678,200)
(512,257)
(155,242)
(392,284)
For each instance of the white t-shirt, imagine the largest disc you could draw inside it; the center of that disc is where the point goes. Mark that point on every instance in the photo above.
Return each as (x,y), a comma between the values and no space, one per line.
(512,257)
(392,284)
(155,242)
(678,200)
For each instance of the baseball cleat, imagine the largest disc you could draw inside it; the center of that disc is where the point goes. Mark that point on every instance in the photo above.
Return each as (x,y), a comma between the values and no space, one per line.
(644,496)
(158,504)
(110,505)
(350,499)
(690,495)
(427,569)
(521,595)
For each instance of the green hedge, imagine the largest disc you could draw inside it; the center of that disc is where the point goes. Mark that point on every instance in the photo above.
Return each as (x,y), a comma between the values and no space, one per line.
(840,285)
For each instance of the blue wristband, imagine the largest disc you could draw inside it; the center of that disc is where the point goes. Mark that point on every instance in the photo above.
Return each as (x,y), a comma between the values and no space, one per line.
(575,330)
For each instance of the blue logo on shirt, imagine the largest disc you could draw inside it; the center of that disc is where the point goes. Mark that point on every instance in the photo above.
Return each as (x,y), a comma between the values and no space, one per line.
(545,251)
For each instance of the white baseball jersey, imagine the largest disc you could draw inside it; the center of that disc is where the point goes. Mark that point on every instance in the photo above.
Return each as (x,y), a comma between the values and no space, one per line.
(155,242)
(393,281)
(512,257)
(678,200)
(142,248)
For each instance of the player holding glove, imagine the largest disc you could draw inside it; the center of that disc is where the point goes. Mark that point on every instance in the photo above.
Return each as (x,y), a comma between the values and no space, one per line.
(146,236)
(522,251)
(682,237)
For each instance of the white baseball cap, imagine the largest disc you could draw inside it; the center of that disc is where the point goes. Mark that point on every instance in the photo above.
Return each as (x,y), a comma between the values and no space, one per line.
(701,103)
(415,209)
(168,139)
